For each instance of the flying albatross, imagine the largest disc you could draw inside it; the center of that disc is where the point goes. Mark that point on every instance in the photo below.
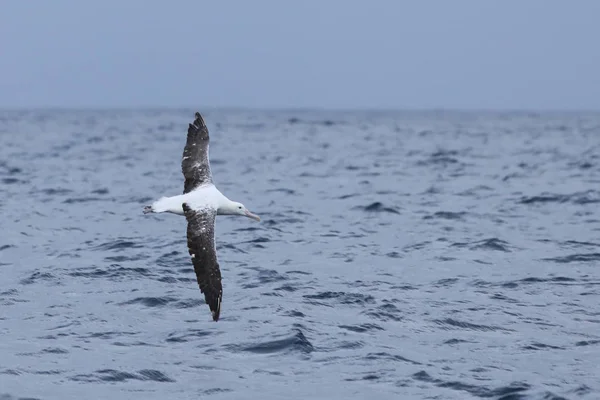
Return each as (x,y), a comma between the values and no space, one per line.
(201,202)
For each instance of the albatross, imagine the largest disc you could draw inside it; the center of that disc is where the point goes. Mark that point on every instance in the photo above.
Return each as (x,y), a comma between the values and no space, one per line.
(200,203)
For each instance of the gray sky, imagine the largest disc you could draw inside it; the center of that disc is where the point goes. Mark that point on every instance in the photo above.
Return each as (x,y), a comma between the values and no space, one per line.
(534,54)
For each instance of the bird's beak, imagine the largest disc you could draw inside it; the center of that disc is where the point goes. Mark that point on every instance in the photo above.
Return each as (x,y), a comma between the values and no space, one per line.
(251,215)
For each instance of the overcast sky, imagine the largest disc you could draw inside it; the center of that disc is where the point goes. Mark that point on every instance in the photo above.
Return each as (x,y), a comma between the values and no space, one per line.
(477,54)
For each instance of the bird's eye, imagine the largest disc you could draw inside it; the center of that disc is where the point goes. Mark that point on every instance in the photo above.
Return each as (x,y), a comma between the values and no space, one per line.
(240,207)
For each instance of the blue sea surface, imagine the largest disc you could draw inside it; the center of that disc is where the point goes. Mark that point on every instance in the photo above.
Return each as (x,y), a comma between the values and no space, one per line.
(412,255)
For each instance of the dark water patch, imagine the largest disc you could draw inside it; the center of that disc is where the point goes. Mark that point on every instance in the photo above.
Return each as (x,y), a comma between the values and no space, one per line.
(581,390)
(347,196)
(130,344)
(297,272)
(38,276)
(404,287)
(75,200)
(588,257)
(558,280)
(493,244)
(63,326)
(187,336)
(248,229)
(163,302)
(342,297)
(6,247)
(287,288)
(211,391)
(355,168)
(9,292)
(11,181)
(282,190)
(445,282)
(577,244)
(326,122)
(8,170)
(295,343)
(120,259)
(394,254)
(54,350)
(449,215)
(6,396)
(512,391)
(229,246)
(139,200)
(587,343)
(294,314)
(107,335)
(350,345)
(536,280)
(263,371)
(366,284)
(541,346)
(257,242)
(173,259)
(171,279)
(49,372)
(377,207)
(499,296)
(455,341)
(100,191)
(579,198)
(269,276)
(361,328)
(55,191)
(113,376)
(584,165)
(264,277)
(118,245)
(440,158)
(386,312)
(112,272)
(10,372)
(390,357)
(446,258)
(432,190)
(449,323)
(416,246)
(475,191)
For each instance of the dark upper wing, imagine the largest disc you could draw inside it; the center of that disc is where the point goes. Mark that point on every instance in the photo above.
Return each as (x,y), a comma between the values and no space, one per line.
(201,245)
(195,164)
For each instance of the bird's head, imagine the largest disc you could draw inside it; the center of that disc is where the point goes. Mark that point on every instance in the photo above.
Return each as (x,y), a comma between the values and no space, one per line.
(239,209)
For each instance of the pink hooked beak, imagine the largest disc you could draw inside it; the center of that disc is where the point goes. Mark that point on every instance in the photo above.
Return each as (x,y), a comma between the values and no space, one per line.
(253,216)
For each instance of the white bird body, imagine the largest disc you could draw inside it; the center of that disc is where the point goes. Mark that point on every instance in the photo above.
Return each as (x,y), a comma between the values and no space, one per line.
(203,197)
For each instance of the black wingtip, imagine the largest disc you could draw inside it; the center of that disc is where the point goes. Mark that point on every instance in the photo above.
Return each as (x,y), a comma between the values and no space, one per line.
(198,121)
(216,309)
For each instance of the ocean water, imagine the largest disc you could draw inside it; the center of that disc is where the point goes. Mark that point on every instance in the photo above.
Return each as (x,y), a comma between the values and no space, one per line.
(413,255)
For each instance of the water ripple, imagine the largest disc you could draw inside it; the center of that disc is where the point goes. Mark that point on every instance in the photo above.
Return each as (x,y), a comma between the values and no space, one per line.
(405,254)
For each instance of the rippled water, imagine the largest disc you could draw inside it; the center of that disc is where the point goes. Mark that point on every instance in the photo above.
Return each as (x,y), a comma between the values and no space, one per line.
(400,255)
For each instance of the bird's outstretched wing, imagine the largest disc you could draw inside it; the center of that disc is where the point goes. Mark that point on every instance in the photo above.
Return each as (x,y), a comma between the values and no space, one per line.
(195,164)
(201,245)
